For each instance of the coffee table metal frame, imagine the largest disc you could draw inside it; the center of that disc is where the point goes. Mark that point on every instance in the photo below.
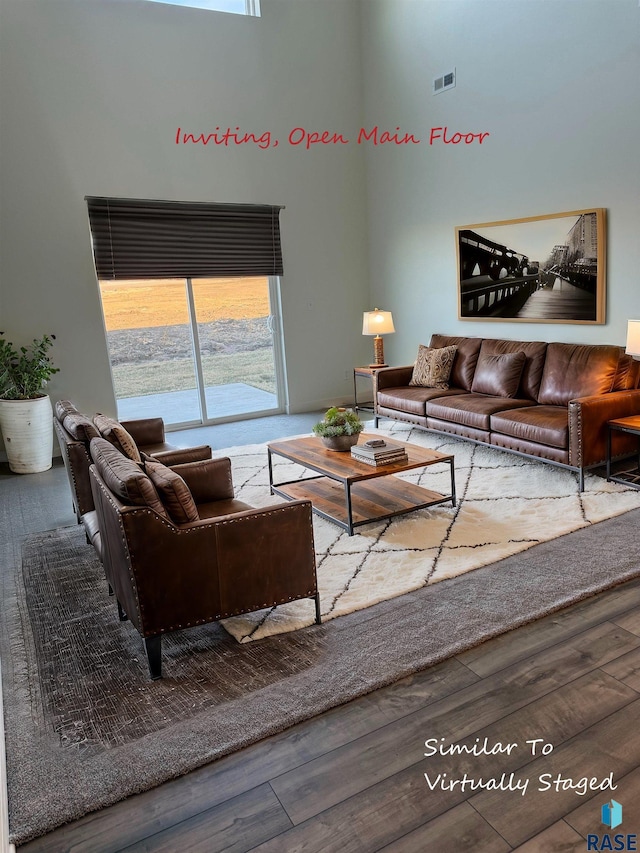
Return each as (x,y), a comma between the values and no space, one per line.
(367,502)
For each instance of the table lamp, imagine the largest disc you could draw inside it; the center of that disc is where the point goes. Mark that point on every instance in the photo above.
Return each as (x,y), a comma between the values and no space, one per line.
(377,323)
(633,338)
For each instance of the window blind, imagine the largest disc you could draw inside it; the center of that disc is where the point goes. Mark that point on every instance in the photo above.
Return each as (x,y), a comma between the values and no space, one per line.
(141,239)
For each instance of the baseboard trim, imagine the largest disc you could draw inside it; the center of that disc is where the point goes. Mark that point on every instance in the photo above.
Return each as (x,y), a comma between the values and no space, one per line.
(5,846)
(321,405)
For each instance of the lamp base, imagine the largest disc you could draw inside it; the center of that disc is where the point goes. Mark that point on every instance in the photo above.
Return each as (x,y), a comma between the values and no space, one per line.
(374,366)
(378,351)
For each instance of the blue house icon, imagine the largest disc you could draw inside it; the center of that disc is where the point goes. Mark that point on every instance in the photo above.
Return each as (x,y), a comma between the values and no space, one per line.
(612,814)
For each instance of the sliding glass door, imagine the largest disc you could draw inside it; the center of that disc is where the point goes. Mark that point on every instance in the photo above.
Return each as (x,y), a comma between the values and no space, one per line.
(235,326)
(195,350)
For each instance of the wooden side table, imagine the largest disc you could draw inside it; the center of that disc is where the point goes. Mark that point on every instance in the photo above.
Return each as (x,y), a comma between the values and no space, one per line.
(632,427)
(369,406)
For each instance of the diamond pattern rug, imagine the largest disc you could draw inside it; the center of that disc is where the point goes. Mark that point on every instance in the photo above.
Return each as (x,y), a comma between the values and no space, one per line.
(506,504)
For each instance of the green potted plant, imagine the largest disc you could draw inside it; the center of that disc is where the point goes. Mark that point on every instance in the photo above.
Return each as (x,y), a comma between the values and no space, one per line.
(339,429)
(25,408)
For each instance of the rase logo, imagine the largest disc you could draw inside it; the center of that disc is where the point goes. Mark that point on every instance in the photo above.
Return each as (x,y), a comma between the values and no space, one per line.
(611,816)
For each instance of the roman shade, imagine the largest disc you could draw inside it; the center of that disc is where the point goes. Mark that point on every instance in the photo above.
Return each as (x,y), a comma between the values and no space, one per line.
(141,239)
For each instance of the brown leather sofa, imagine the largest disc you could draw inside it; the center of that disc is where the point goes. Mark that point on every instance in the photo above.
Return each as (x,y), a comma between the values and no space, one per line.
(553,403)
(75,430)
(179,550)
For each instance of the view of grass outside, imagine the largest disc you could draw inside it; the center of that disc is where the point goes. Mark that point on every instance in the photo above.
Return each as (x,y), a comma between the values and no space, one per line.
(149,337)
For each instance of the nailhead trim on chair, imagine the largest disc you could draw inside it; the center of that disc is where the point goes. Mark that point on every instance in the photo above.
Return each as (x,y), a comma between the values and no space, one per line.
(124,542)
(210,618)
(228,614)
(221,520)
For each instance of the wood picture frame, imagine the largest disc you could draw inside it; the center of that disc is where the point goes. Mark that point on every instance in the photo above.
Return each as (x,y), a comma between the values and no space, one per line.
(540,269)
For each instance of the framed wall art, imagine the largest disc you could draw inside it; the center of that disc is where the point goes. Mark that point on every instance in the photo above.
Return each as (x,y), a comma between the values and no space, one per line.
(542,269)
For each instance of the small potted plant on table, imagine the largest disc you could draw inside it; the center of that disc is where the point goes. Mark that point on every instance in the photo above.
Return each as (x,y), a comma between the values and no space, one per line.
(339,429)
(25,410)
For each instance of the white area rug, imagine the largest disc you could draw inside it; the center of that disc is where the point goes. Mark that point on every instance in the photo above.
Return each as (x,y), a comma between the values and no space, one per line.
(506,504)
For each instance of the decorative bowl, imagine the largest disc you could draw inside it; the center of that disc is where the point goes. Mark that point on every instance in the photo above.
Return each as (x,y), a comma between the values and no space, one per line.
(340,443)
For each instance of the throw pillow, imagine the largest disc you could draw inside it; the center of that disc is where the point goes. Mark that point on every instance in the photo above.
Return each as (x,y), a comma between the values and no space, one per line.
(174,492)
(433,367)
(498,375)
(124,477)
(80,427)
(114,432)
(64,408)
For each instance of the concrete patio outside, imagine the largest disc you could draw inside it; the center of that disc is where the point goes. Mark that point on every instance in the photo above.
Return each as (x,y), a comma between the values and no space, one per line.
(182,407)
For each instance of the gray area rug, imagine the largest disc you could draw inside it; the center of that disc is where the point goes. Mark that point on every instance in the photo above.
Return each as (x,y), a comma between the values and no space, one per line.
(85,727)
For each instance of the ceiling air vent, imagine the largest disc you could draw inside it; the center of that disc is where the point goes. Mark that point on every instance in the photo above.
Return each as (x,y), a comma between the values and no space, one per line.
(444,82)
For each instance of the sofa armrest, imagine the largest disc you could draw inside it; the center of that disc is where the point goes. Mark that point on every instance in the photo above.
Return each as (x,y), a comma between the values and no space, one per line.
(145,430)
(391,377)
(182,455)
(588,417)
(208,480)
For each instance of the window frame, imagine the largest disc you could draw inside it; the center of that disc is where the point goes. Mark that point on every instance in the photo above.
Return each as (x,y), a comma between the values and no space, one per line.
(251,7)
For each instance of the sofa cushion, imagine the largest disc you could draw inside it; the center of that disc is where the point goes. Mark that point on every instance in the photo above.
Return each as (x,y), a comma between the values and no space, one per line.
(124,477)
(412,400)
(577,370)
(535,352)
(464,364)
(80,427)
(433,367)
(538,424)
(473,410)
(174,492)
(498,374)
(628,373)
(113,431)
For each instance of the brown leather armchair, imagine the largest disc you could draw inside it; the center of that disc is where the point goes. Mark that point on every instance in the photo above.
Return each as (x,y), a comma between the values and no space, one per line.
(179,550)
(75,430)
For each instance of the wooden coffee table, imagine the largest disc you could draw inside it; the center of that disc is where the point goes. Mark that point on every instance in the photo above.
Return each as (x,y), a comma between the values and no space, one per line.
(352,493)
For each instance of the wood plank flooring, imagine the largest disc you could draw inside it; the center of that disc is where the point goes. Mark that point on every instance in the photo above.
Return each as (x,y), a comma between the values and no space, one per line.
(353,779)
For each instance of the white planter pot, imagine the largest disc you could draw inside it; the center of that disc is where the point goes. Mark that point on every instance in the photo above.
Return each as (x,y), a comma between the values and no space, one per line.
(28,434)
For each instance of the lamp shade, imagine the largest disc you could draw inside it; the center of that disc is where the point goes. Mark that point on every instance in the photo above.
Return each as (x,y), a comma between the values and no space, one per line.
(633,338)
(377,323)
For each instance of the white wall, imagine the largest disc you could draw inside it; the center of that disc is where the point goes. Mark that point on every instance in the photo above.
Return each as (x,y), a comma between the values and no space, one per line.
(92,92)
(556,86)
(92,95)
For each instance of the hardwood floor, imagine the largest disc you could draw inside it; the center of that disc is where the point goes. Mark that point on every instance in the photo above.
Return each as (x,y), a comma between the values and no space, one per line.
(353,779)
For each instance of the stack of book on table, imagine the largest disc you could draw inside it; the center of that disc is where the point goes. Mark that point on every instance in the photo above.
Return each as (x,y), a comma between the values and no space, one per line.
(385,453)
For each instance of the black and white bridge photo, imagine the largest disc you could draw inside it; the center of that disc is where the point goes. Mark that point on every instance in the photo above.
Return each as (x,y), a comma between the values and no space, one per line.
(549,270)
